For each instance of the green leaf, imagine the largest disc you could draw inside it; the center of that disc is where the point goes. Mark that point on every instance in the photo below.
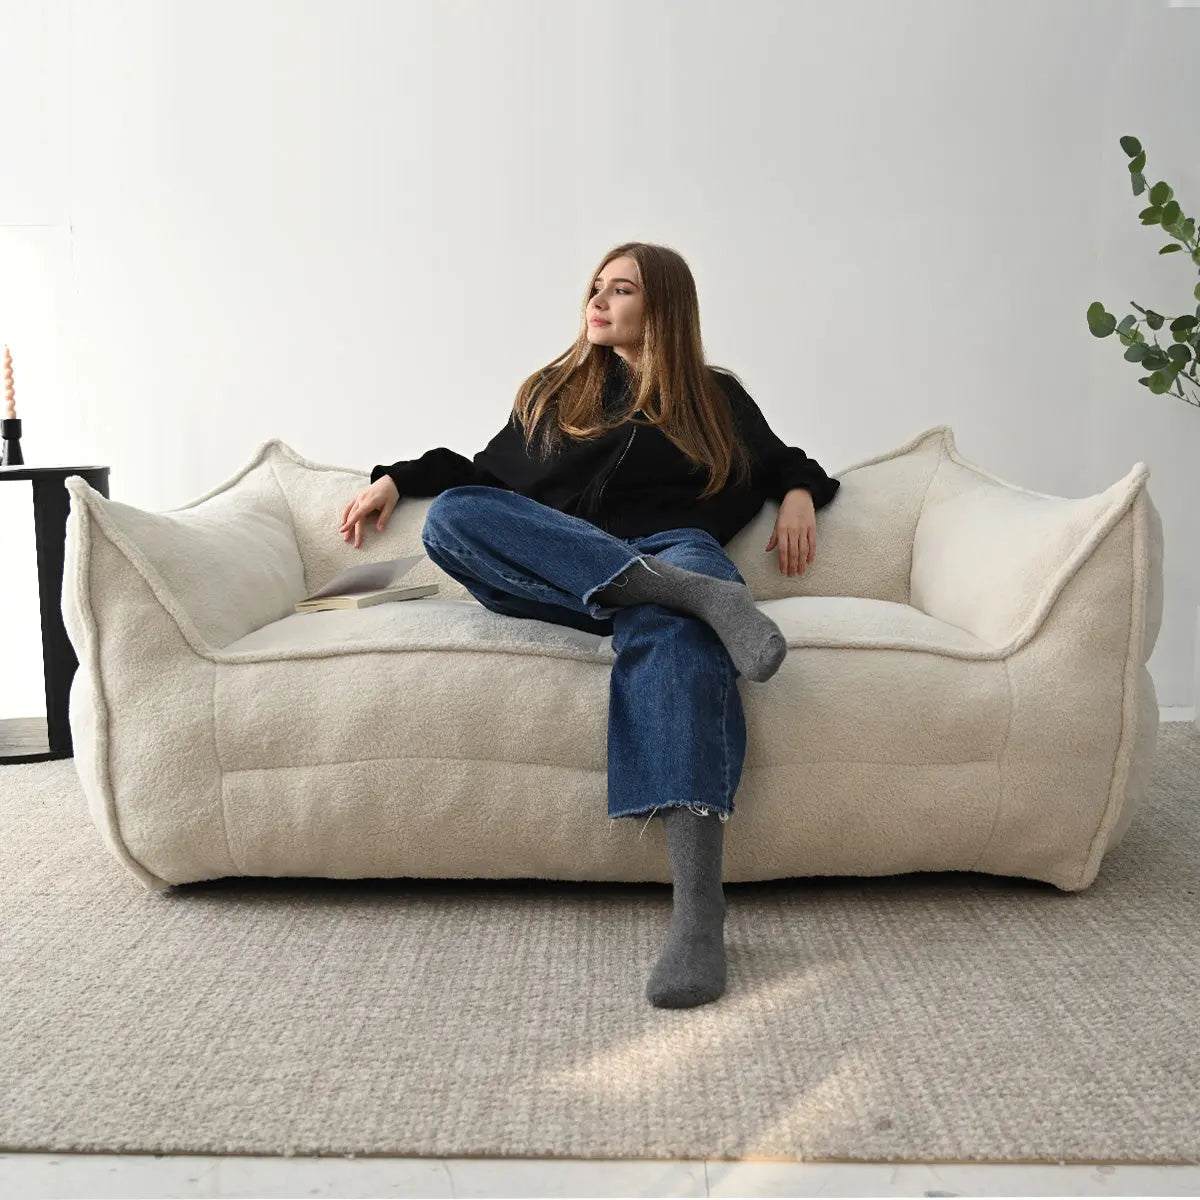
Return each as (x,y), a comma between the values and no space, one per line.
(1180,355)
(1161,192)
(1154,358)
(1139,183)
(1170,249)
(1185,322)
(1131,145)
(1101,323)
(1188,228)
(1126,322)
(1151,215)
(1138,163)
(1171,213)
(1136,352)
(1159,383)
(1153,319)
(1196,292)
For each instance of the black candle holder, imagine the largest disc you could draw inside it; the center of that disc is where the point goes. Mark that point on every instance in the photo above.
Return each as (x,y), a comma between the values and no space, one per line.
(10,453)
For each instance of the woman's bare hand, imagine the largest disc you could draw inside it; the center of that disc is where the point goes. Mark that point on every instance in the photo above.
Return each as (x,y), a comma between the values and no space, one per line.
(382,495)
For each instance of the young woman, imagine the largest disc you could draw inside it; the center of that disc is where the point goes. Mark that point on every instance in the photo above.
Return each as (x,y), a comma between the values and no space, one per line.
(647,462)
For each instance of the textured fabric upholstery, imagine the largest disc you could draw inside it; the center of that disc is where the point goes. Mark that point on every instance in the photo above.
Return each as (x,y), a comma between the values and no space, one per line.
(965,689)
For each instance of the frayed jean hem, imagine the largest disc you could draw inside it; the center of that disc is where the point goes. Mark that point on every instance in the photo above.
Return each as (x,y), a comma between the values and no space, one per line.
(701,810)
(602,612)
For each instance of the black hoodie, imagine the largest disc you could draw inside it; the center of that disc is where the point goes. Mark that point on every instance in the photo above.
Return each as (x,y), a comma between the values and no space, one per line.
(632,480)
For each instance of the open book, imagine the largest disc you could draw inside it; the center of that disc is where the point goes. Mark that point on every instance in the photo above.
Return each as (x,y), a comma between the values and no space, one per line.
(370,583)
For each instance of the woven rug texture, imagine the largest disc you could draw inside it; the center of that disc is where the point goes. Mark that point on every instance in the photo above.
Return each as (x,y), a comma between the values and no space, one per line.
(914,1018)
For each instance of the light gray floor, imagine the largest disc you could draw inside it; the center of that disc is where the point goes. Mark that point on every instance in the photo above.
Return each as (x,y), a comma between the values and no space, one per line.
(42,1176)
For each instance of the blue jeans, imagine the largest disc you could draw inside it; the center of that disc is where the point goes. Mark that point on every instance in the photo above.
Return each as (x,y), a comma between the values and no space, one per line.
(676,728)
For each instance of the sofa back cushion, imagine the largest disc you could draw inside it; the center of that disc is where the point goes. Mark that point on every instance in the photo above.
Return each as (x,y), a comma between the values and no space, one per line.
(864,535)
(318,494)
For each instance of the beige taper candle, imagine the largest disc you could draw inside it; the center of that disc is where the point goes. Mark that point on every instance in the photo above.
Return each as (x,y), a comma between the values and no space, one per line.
(10,399)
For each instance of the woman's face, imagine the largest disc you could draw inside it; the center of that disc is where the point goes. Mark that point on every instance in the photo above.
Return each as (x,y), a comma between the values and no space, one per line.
(617,301)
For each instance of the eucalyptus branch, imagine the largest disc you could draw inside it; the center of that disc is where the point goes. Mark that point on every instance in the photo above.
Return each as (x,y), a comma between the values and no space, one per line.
(1166,365)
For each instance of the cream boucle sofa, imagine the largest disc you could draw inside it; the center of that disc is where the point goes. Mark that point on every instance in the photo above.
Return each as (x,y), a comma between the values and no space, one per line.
(965,689)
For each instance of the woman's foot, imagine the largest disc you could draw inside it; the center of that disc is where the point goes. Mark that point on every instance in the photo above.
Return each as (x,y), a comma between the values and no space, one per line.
(753,640)
(691,968)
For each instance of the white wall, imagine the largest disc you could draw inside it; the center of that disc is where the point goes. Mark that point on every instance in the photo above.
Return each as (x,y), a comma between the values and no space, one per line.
(357,226)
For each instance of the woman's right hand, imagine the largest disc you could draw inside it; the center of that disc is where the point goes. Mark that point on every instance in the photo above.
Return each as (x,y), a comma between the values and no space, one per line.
(381,495)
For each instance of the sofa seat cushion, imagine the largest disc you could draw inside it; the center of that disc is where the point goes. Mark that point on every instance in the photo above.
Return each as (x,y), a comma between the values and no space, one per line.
(861,621)
(431,623)
(476,684)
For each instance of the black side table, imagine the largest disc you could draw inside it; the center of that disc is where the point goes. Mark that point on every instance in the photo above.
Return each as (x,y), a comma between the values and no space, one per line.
(38,739)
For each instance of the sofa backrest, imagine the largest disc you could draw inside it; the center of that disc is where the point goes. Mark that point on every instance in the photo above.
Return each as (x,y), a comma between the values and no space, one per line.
(317,495)
(864,535)
(914,525)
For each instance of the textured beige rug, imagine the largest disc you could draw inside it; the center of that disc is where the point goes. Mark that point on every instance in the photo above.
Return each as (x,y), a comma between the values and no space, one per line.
(924,1017)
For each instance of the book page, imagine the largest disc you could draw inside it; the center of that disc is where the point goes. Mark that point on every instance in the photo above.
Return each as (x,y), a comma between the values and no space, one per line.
(368,577)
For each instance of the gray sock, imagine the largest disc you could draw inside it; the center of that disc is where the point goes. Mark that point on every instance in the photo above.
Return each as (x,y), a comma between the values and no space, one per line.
(753,640)
(691,968)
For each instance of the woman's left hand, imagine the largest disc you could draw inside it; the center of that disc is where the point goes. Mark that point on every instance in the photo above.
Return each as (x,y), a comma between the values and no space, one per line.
(795,532)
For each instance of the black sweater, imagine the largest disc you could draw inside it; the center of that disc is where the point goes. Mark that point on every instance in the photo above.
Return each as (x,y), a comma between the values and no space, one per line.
(633,480)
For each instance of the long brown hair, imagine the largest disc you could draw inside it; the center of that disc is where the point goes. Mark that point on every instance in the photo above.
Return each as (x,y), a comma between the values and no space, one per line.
(672,383)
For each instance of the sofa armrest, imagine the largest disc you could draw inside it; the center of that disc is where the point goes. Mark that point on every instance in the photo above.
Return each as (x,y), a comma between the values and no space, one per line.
(221,566)
(992,557)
